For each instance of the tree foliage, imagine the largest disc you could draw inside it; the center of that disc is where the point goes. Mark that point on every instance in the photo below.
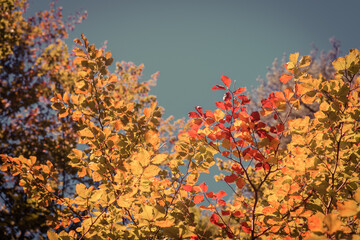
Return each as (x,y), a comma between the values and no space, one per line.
(34,62)
(135,174)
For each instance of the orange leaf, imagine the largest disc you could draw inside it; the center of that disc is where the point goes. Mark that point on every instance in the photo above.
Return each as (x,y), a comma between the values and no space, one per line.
(268,210)
(187,188)
(226,80)
(204,187)
(285,78)
(198,198)
(221,194)
(165,223)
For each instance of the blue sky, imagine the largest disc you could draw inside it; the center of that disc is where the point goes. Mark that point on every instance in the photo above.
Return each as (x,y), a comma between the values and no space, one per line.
(193,42)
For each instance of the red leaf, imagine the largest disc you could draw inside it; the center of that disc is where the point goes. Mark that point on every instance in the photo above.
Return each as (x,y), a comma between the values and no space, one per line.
(280,128)
(194,115)
(230,178)
(238,214)
(222,202)
(192,133)
(229,234)
(227,97)
(239,90)
(255,116)
(214,218)
(266,103)
(285,78)
(209,114)
(198,198)
(245,227)
(260,125)
(225,213)
(220,105)
(187,188)
(228,118)
(258,166)
(221,194)
(204,187)
(211,195)
(236,168)
(266,166)
(244,100)
(240,183)
(225,153)
(200,110)
(258,156)
(218,87)
(226,80)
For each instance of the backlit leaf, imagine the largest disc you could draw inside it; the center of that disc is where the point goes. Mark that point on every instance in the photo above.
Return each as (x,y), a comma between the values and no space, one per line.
(226,80)
(294,57)
(164,223)
(218,87)
(348,208)
(204,187)
(285,78)
(198,198)
(239,90)
(52,235)
(221,194)
(187,188)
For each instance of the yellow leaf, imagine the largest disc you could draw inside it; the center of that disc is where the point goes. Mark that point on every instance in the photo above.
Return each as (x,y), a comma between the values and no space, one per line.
(218,114)
(82,74)
(135,168)
(142,157)
(357,195)
(151,171)
(305,61)
(108,55)
(158,159)
(348,208)
(93,166)
(339,64)
(294,57)
(124,202)
(147,213)
(112,78)
(63,113)
(152,137)
(96,176)
(332,222)
(75,99)
(165,223)
(66,97)
(86,133)
(81,190)
(52,235)
(96,195)
(82,172)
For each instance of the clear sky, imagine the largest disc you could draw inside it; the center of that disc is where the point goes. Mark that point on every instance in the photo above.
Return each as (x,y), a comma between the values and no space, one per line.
(193,42)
